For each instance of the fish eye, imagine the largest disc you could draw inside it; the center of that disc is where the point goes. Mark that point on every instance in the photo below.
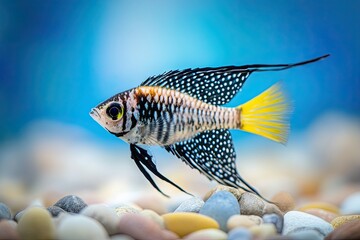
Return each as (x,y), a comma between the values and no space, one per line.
(115,111)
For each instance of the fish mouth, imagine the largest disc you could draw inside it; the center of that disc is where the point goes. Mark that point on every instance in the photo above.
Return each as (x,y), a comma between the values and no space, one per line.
(94,114)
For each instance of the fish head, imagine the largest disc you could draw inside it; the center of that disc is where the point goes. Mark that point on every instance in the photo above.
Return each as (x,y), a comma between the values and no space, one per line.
(110,114)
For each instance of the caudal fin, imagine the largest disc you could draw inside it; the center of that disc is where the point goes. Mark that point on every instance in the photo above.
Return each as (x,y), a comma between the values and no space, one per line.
(267,115)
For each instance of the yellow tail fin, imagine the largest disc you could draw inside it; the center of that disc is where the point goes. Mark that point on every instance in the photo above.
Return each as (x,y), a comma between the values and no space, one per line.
(267,115)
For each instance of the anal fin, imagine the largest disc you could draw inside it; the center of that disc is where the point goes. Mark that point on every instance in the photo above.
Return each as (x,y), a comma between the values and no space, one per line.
(213,154)
(143,159)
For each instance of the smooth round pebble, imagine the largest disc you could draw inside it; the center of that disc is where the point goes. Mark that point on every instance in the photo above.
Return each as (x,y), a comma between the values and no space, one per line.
(81,228)
(237,192)
(276,220)
(121,237)
(71,204)
(299,221)
(306,235)
(208,234)
(326,215)
(245,221)
(193,204)
(154,217)
(263,230)
(5,212)
(337,222)
(185,223)
(123,210)
(104,215)
(239,234)
(320,205)
(221,206)
(55,211)
(8,230)
(350,230)
(251,204)
(351,204)
(140,227)
(284,201)
(154,202)
(36,223)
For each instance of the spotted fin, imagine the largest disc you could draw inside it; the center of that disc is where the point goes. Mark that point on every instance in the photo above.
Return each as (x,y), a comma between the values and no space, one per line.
(143,158)
(215,86)
(213,154)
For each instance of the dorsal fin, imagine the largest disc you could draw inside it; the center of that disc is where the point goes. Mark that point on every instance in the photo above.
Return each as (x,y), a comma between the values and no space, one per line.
(215,86)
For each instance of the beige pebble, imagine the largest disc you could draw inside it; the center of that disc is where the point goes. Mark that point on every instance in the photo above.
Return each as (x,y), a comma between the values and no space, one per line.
(245,221)
(284,201)
(251,204)
(121,211)
(152,202)
(263,230)
(36,223)
(154,217)
(103,214)
(208,234)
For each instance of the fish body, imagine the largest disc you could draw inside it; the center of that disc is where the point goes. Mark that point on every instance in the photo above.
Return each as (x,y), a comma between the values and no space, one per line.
(182,112)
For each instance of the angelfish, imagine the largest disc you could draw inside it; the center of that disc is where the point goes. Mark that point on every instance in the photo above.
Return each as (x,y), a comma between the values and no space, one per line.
(182,112)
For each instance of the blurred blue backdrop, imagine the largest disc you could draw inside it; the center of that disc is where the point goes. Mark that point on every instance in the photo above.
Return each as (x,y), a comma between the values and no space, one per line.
(60,58)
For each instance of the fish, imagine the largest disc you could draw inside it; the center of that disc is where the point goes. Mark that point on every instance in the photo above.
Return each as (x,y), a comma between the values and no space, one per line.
(182,111)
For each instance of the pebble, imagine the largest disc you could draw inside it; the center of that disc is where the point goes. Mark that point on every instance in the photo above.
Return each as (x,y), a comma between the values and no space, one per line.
(244,221)
(326,215)
(19,215)
(104,215)
(295,221)
(121,237)
(55,211)
(276,220)
(320,205)
(36,223)
(284,201)
(349,230)
(8,230)
(351,204)
(123,210)
(5,212)
(153,202)
(251,204)
(185,223)
(337,222)
(239,234)
(71,204)
(237,192)
(263,230)
(208,234)
(221,206)
(81,228)
(131,224)
(306,235)
(154,217)
(193,204)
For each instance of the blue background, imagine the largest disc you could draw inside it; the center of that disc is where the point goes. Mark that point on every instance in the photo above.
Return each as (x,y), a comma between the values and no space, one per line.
(60,58)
